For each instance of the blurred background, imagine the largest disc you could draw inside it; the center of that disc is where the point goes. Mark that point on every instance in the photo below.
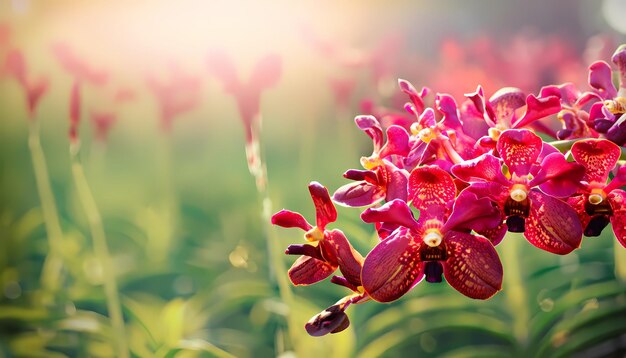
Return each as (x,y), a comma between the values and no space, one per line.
(162,149)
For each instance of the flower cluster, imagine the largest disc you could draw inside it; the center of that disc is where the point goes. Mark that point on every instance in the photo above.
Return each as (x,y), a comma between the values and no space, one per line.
(542,165)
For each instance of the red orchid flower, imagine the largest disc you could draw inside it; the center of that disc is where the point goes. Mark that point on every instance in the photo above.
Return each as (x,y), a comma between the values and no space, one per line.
(328,249)
(438,243)
(547,222)
(177,94)
(34,89)
(381,179)
(574,114)
(598,203)
(609,116)
(265,74)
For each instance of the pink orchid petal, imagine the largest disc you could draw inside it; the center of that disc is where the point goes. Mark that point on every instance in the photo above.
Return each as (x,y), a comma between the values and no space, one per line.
(266,72)
(618,181)
(598,156)
(393,212)
(396,182)
(431,189)
(519,148)
(473,267)
(504,103)
(617,199)
(371,127)
(221,66)
(307,271)
(416,98)
(568,93)
(397,142)
(600,78)
(619,59)
(393,267)
(325,211)
(496,234)
(484,168)
(558,177)
(288,219)
(473,213)
(337,250)
(446,105)
(538,108)
(552,225)
(358,194)
(359,175)
(428,119)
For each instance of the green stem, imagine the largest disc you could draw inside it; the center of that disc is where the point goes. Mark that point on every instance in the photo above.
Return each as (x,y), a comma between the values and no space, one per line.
(102,253)
(514,290)
(620,260)
(53,264)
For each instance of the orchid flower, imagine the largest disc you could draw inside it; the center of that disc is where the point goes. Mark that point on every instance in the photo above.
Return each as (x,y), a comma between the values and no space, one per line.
(327,249)
(438,243)
(598,202)
(34,88)
(527,196)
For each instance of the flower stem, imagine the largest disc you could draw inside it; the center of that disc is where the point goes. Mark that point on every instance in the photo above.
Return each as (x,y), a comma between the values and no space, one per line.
(102,253)
(620,260)
(515,293)
(53,264)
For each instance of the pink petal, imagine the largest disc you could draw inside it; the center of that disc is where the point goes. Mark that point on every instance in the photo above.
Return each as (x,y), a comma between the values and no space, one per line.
(307,271)
(360,175)
(358,194)
(504,103)
(619,59)
(393,267)
(473,213)
(552,225)
(325,211)
(537,108)
(337,250)
(393,212)
(484,168)
(431,189)
(600,78)
(618,180)
(266,72)
(286,218)
(446,105)
(558,177)
(617,199)
(395,182)
(598,156)
(416,98)
(397,142)
(222,67)
(473,267)
(371,127)
(519,148)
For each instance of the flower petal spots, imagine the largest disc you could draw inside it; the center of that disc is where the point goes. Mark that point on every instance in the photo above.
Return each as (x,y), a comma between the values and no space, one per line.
(598,156)
(325,211)
(504,103)
(617,199)
(473,267)
(519,148)
(431,187)
(286,218)
(392,268)
(307,271)
(552,225)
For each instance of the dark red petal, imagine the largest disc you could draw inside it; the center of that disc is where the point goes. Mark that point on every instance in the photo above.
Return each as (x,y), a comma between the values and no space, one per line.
(331,320)
(431,188)
(307,270)
(617,199)
(325,211)
(393,267)
(286,218)
(552,225)
(266,72)
(473,266)
(338,251)
(396,183)
(519,148)
(577,202)
(598,156)
(360,175)
(358,194)
(371,127)
(558,177)
(537,108)
(600,78)
(484,168)
(393,212)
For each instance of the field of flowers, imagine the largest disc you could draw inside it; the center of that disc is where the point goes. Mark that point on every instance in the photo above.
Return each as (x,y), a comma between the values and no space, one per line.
(178,177)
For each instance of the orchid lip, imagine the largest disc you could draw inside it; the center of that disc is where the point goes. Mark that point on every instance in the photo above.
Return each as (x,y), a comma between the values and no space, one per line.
(315,234)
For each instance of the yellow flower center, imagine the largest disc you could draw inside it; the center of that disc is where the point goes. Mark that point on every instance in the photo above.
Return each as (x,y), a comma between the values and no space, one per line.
(519,193)
(315,234)
(433,237)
